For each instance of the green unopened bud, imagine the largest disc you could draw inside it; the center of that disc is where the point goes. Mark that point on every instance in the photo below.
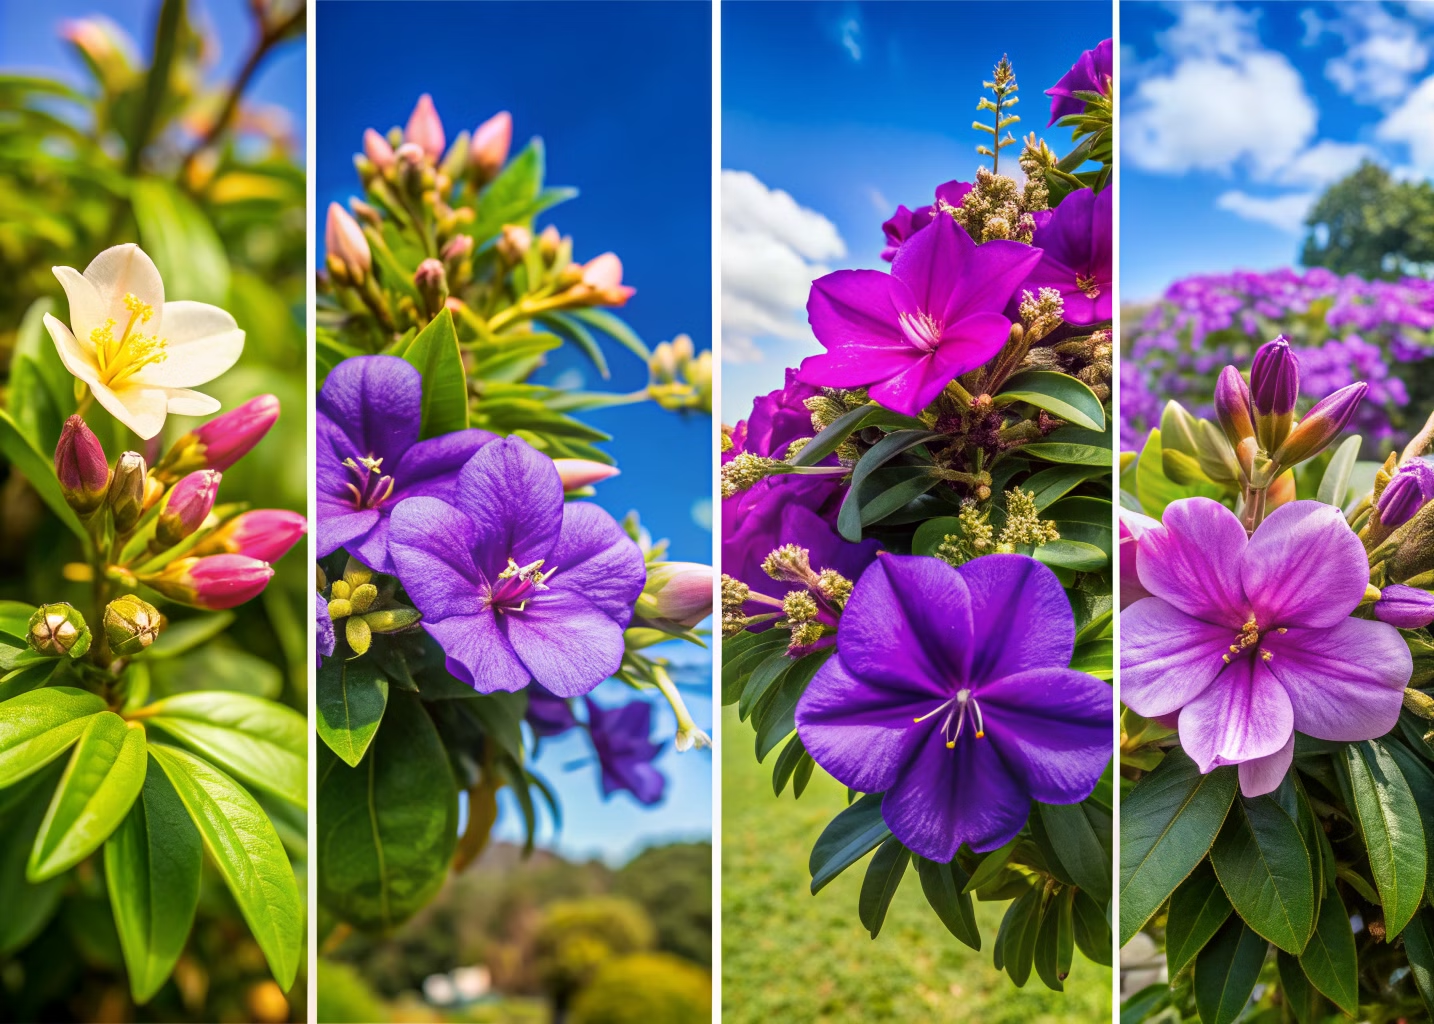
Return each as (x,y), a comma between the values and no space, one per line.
(392,620)
(131,625)
(790,563)
(431,280)
(359,634)
(127,491)
(58,629)
(1419,702)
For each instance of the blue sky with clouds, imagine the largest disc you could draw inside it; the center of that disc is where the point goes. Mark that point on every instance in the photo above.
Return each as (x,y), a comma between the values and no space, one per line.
(1235,116)
(835,112)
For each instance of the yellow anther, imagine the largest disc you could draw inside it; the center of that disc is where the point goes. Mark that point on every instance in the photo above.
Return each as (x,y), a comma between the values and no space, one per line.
(980,735)
(950,744)
(143,310)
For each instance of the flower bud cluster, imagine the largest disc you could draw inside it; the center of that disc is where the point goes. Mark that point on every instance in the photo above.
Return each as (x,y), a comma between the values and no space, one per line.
(680,377)
(807,611)
(364,604)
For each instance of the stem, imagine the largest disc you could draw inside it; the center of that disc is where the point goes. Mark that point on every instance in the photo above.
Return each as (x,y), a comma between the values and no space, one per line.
(1254,511)
(688,735)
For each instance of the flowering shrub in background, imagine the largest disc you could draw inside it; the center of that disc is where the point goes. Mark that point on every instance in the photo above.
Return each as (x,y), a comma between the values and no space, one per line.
(916,550)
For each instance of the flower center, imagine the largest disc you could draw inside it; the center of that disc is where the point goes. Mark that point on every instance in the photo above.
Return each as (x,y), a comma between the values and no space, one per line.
(1248,637)
(370,487)
(958,709)
(123,357)
(1088,286)
(922,329)
(516,584)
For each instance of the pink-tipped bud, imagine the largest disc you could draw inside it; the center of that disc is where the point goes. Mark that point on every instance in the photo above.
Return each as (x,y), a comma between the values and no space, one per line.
(214,582)
(425,129)
(549,241)
(1406,493)
(377,149)
(579,473)
(185,507)
(1405,607)
(1274,389)
(458,248)
(1232,406)
(513,244)
(345,242)
(1324,423)
(602,281)
(222,441)
(265,533)
(431,280)
(679,592)
(488,150)
(81,466)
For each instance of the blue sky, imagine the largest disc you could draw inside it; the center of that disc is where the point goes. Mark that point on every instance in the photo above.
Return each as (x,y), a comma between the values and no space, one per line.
(849,109)
(621,95)
(1235,116)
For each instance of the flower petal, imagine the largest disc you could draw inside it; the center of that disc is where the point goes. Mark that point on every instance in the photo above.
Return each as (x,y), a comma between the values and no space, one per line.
(431,544)
(377,403)
(1264,774)
(1020,617)
(126,270)
(478,653)
(1051,727)
(564,641)
(139,408)
(88,308)
(183,402)
(859,731)
(1167,658)
(1244,714)
(431,467)
(514,496)
(912,387)
(1193,561)
(1305,567)
(596,558)
(339,523)
(78,359)
(853,311)
(1346,683)
(934,264)
(201,342)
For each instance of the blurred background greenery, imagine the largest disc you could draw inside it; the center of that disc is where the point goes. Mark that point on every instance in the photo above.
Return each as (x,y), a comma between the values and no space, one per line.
(150,135)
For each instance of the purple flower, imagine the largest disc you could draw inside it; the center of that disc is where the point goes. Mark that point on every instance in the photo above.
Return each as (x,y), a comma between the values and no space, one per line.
(1088,74)
(904,223)
(1405,607)
(625,752)
(1251,639)
(1133,528)
(908,333)
(549,715)
(370,457)
(323,631)
(1076,261)
(950,693)
(1275,379)
(513,583)
(1406,493)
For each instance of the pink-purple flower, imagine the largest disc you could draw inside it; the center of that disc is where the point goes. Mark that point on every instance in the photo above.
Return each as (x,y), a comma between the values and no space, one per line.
(1090,73)
(950,693)
(1075,240)
(907,334)
(904,223)
(622,739)
(1250,639)
(1406,493)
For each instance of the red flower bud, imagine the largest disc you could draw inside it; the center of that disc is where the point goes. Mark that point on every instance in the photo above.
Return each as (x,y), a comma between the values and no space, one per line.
(185,508)
(266,534)
(222,441)
(214,582)
(81,466)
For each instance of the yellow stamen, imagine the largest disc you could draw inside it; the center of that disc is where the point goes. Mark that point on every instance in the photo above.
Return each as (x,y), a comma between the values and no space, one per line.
(141,309)
(119,360)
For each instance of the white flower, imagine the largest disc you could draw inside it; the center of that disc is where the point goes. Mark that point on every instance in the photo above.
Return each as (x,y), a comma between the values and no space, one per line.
(138,355)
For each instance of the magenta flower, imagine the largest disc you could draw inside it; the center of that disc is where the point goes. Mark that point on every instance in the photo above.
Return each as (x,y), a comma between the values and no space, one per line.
(621,738)
(1076,261)
(1133,527)
(324,638)
(81,467)
(1405,607)
(904,223)
(370,457)
(513,583)
(908,333)
(1406,493)
(950,693)
(1090,73)
(1251,639)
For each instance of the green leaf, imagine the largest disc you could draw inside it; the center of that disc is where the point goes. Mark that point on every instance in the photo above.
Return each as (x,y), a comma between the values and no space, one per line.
(1197,910)
(1057,393)
(878,886)
(1418,944)
(1334,485)
(1226,971)
(186,635)
(850,836)
(182,242)
(864,505)
(1055,941)
(1167,825)
(434,353)
(775,718)
(1261,860)
(387,829)
(27,907)
(991,865)
(1145,1003)
(1022,927)
(1421,784)
(1070,454)
(38,469)
(242,843)
(100,783)
(153,864)
(350,698)
(786,764)
(1072,554)
(1302,998)
(943,885)
(615,328)
(1155,489)
(37,727)
(831,437)
(1080,836)
(1330,961)
(260,742)
(1050,485)
(1393,835)
(1092,929)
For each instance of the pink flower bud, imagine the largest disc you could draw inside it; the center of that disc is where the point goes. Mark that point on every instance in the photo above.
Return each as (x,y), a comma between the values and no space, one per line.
(458,247)
(222,441)
(679,592)
(1322,425)
(425,129)
(214,582)
(266,534)
(377,149)
(431,280)
(578,473)
(81,466)
(489,148)
(1232,406)
(602,279)
(186,507)
(1405,607)
(344,240)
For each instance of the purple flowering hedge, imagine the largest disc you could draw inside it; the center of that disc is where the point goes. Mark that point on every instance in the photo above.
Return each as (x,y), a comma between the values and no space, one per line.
(1277,758)
(465,588)
(917,545)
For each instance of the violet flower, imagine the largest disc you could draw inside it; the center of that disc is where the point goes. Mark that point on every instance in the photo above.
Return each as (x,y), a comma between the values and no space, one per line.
(1251,639)
(324,639)
(904,223)
(1075,239)
(625,751)
(906,334)
(950,693)
(370,457)
(549,715)
(1405,607)
(1090,73)
(513,583)
(1406,493)
(1133,527)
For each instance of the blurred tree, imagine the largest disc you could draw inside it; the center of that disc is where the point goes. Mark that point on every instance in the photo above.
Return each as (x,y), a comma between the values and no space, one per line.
(1370,224)
(648,988)
(674,885)
(576,938)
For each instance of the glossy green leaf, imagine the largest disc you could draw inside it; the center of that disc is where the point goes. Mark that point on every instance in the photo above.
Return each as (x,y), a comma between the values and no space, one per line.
(153,864)
(1167,825)
(350,697)
(1420,779)
(878,886)
(1226,971)
(1261,860)
(1055,941)
(1081,837)
(943,885)
(1092,929)
(242,843)
(388,828)
(1155,489)
(1197,910)
(27,907)
(831,437)
(1302,998)
(1070,454)
(1072,554)
(1022,931)
(775,718)
(39,726)
(1059,394)
(991,865)
(100,783)
(260,742)
(37,468)
(1419,945)
(1145,1004)
(434,353)
(1393,834)
(1330,961)
(786,764)
(1334,485)
(848,837)
(1050,485)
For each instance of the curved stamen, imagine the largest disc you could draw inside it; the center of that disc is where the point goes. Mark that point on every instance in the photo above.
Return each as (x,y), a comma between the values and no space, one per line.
(372,487)
(957,709)
(921,329)
(517,583)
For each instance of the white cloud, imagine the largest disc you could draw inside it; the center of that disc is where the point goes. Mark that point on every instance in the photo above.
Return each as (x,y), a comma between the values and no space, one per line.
(1324,163)
(1382,54)
(1412,124)
(851,38)
(1286,212)
(772,250)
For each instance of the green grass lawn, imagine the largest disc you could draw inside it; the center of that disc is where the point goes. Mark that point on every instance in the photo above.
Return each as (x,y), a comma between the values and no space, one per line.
(788,955)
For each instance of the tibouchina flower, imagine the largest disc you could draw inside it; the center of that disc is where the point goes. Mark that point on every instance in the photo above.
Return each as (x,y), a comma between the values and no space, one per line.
(1133,527)
(904,223)
(547,714)
(514,583)
(908,333)
(1090,73)
(950,693)
(370,457)
(1405,607)
(622,739)
(138,354)
(324,639)
(1075,239)
(1251,639)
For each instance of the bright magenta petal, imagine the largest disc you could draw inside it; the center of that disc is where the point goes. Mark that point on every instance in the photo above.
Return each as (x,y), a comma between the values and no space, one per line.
(1193,561)
(1167,658)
